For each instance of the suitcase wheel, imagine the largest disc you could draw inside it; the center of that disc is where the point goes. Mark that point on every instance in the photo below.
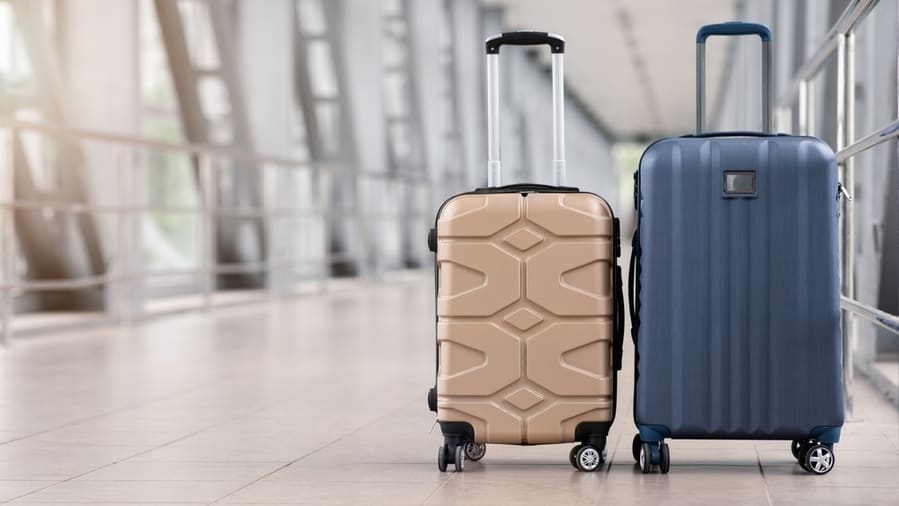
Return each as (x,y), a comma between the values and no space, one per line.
(456,456)
(636,443)
(475,451)
(587,458)
(796,447)
(572,455)
(654,454)
(459,458)
(664,458)
(817,458)
(441,458)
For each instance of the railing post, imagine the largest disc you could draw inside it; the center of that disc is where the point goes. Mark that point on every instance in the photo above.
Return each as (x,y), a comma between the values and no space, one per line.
(123,262)
(208,260)
(8,236)
(270,229)
(849,218)
(845,130)
(323,185)
(806,111)
(368,262)
(803,107)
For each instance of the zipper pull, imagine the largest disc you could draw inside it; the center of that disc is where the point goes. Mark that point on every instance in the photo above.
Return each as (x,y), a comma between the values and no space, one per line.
(842,192)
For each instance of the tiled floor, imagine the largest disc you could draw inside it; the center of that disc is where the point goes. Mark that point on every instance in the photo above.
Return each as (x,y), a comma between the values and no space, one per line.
(321,400)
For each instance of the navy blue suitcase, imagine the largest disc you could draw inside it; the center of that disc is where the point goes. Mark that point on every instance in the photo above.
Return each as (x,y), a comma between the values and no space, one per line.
(735,287)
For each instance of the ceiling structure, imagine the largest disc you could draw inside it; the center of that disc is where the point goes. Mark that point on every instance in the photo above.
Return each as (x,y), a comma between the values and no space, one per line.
(631,61)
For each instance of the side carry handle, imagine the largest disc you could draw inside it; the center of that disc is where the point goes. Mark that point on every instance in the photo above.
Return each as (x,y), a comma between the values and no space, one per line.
(733,28)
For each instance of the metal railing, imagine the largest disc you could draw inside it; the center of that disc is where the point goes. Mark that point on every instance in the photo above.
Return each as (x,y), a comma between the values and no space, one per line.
(126,268)
(841,40)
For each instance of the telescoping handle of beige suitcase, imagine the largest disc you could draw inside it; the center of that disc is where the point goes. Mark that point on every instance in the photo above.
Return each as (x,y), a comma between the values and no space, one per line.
(557,45)
(529,305)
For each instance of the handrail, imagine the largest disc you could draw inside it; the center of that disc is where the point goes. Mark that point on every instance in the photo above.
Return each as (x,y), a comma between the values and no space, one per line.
(874,315)
(851,16)
(808,70)
(195,149)
(890,131)
(125,270)
(840,39)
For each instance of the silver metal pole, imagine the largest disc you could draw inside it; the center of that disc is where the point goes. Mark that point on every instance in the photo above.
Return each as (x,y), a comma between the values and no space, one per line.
(269,217)
(369,260)
(803,107)
(322,181)
(849,222)
(766,86)
(845,225)
(558,62)
(810,120)
(700,88)
(123,263)
(8,237)
(208,259)
(494,169)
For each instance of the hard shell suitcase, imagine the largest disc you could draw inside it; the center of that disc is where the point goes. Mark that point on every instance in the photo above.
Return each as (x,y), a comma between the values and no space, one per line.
(734,286)
(529,306)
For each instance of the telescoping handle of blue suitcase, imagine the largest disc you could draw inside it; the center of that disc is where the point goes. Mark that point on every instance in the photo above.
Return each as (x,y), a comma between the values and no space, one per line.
(733,28)
(525,38)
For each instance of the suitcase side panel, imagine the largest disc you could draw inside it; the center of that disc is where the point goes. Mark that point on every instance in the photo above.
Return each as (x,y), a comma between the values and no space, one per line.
(739,311)
(524,308)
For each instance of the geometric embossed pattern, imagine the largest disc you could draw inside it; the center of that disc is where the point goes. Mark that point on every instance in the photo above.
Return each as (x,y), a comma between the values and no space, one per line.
(523,319)
(523,239)
(541,265)
(524,398)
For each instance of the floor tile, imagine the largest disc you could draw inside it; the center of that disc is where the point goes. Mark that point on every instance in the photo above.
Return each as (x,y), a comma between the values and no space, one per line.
(134,470)
(347,492)
(320,400)
(120,492)
(11,489)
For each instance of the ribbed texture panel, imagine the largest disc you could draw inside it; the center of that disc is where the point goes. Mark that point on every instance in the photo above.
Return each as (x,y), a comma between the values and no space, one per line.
(739,297)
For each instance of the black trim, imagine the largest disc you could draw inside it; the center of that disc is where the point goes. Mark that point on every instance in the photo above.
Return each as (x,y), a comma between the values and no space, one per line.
(592,433)
(456,433)
(618,325)
(527,188)
(732,133)
(525,38)
(432,399)
(432,240)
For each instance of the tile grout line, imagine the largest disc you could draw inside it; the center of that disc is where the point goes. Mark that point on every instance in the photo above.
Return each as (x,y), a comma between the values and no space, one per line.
(758,458)
(316,450)
(439,487)
(111,412)
(611,457)
(142,452)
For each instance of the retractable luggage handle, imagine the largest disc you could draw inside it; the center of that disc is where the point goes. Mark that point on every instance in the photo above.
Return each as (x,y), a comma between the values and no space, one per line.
(731,29)
(525,38)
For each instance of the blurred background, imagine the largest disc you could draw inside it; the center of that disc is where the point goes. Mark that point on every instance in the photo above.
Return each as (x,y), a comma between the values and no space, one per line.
(161,156)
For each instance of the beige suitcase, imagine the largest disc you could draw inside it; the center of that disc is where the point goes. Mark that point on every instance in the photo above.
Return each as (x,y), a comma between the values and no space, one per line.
(529,306)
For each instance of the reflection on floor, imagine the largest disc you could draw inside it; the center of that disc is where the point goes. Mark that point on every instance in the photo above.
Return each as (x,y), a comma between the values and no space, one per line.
(322,400)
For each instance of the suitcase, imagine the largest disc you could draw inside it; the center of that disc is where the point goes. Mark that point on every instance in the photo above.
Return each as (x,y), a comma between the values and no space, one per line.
(734,287)
(530,308)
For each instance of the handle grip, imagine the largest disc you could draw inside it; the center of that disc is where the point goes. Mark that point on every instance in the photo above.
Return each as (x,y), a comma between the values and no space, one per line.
(732,28)
(525,38)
